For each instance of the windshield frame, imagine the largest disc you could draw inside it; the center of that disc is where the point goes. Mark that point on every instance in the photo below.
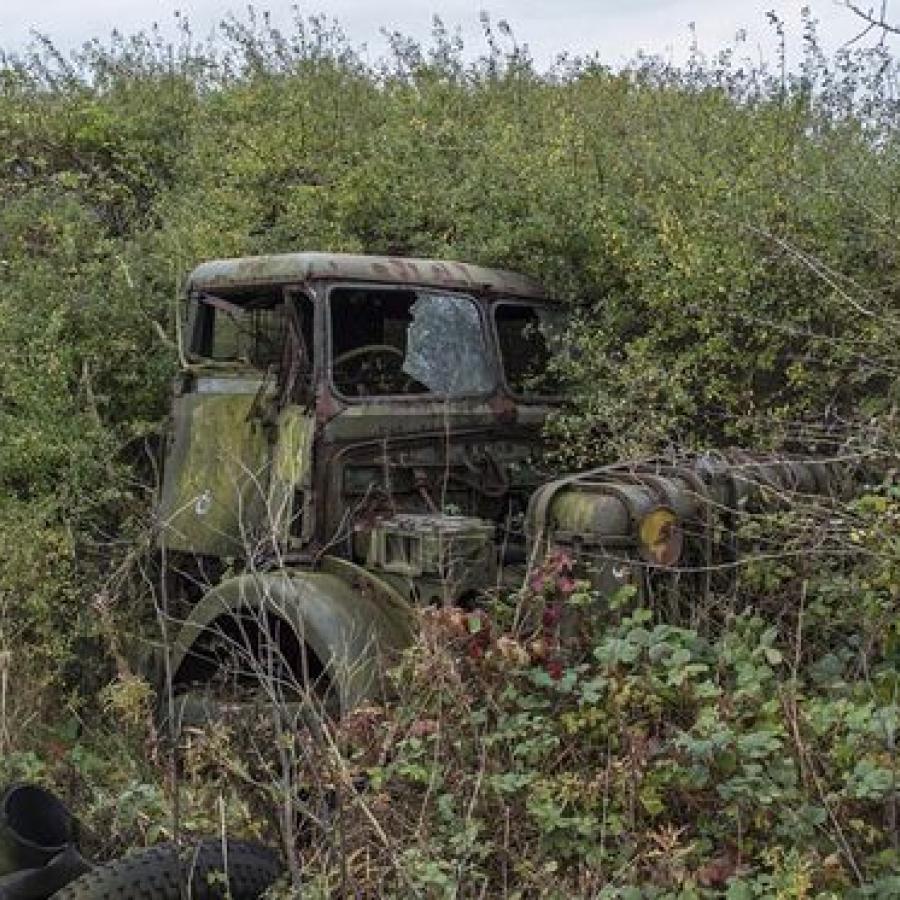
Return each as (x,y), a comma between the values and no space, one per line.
(490,346)
(532,399)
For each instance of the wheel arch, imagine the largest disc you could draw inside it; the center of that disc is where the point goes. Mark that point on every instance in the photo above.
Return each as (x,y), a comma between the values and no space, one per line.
(344,615)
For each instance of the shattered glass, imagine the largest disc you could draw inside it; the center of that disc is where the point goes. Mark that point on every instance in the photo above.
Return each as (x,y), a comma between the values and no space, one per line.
(445,349)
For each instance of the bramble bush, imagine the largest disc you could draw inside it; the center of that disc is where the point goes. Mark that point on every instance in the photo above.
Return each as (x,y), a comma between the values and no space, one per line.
(632,756)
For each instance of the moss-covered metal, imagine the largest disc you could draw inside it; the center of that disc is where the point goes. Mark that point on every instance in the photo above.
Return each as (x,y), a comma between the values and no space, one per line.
(214,497)
(291,476)
(348,618)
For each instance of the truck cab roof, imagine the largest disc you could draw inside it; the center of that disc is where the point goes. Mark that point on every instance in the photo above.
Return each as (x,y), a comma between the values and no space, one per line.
(241,273)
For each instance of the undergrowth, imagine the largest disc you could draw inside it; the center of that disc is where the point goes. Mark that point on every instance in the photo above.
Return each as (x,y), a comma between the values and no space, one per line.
(554,743)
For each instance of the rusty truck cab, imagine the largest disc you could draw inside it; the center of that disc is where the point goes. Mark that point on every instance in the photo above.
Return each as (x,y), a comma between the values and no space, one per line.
(330,404)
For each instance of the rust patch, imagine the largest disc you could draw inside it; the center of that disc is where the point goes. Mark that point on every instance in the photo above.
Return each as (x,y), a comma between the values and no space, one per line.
(401,266)
(503,408)
(327,407)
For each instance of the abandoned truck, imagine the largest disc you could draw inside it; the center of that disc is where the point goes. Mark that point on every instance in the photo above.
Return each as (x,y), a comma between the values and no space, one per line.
(355,436)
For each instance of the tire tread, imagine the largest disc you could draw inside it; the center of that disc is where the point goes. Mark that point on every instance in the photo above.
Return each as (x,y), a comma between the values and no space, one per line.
(154,873)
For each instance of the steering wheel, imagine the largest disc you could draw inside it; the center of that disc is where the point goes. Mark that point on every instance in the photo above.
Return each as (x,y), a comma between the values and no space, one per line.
(370,373)
(366,350)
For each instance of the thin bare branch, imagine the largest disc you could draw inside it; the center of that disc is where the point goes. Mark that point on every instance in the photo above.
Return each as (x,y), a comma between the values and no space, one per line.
(872,19)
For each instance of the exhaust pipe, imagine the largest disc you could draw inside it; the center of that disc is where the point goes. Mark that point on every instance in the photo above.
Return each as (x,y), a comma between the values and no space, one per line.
(38,844)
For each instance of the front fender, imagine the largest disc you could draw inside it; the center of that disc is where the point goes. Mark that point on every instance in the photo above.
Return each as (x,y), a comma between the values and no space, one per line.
(347,617)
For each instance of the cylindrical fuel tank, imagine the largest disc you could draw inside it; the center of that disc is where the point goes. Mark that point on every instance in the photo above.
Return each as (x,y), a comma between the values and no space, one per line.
(647,506)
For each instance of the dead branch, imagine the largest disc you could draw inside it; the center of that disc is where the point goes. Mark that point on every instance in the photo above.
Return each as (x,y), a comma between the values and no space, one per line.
(872,21)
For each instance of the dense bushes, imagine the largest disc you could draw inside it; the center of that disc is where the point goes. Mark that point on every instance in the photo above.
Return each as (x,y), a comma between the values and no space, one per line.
(727,239)
(753,759)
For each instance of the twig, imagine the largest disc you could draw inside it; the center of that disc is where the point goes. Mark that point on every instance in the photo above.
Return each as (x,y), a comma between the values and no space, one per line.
(868,16)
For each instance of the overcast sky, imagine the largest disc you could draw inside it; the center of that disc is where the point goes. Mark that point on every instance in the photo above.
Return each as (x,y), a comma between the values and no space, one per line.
(614,28)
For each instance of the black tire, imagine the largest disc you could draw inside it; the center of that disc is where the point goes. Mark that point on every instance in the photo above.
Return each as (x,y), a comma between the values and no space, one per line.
(155,874)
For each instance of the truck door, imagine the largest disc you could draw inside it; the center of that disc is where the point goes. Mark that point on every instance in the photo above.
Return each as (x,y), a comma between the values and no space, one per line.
(246,359)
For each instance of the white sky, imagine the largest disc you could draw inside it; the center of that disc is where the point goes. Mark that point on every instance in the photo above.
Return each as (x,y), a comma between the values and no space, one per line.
(615,28)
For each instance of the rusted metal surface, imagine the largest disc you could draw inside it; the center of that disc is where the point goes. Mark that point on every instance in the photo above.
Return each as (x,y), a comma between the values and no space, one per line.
(299,268)
(680,515)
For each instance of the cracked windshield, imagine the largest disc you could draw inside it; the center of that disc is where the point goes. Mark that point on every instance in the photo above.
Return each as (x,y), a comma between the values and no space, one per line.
(388,342)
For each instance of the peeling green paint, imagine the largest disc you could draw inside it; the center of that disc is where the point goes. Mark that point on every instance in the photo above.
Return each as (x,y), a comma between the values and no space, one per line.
(291,470)
(216,479)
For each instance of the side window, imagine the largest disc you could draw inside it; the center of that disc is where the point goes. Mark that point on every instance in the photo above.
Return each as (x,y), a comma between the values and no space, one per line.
(250,331)
(252,335)
(529,338)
